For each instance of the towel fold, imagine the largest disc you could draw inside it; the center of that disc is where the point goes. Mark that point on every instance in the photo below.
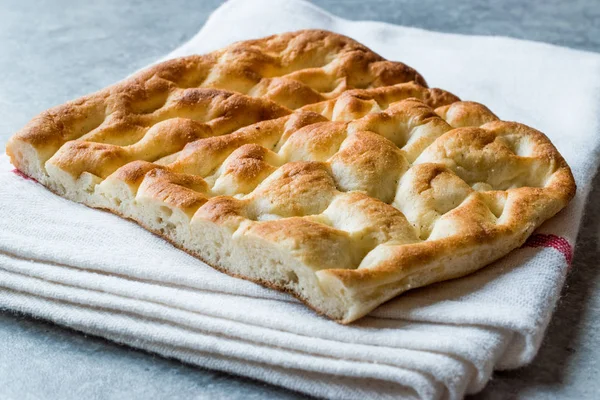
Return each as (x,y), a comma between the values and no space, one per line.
(100,274)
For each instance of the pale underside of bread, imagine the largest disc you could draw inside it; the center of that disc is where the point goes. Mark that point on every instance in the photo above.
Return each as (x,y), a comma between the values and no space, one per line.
(323,170)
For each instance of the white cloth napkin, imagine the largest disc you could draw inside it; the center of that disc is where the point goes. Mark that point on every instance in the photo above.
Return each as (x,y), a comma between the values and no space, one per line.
(102,275)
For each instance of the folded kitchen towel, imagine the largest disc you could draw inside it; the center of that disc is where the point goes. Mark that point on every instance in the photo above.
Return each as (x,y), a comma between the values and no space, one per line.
(102,275)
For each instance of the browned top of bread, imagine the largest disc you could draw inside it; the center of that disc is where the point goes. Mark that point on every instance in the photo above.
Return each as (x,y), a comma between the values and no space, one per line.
(319,151)
(291,69)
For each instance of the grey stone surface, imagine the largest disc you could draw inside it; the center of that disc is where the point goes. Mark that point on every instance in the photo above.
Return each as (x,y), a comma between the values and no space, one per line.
(53,51)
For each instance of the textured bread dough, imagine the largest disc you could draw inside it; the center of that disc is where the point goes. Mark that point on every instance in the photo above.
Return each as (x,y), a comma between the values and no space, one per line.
(306,163)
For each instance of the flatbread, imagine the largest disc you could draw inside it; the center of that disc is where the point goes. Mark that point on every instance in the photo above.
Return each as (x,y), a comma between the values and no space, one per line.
(307,163)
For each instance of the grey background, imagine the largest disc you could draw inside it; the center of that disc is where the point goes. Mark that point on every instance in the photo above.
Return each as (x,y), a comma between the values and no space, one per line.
(53,51)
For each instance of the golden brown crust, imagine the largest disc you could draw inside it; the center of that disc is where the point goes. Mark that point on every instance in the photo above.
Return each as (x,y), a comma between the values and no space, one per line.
(353,104)
(363,195)
(292,69)
(465,113)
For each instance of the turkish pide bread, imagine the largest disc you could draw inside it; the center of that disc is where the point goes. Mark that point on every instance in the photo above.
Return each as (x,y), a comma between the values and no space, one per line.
(304,162)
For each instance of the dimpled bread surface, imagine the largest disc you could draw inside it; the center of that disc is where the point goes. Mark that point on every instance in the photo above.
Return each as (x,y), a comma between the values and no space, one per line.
(304,162)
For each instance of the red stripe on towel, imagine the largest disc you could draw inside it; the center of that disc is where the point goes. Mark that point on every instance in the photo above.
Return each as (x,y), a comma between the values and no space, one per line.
(559,243)
(22,175)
